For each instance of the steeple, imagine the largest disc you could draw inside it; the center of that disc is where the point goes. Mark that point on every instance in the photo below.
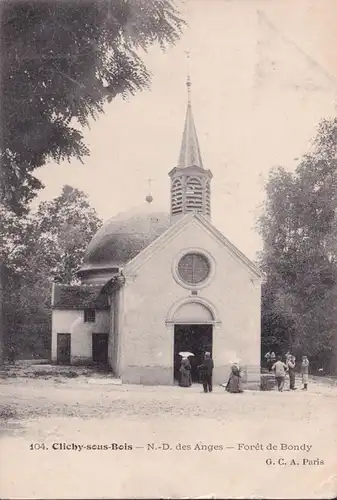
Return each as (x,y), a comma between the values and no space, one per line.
(190,182)
(190,150)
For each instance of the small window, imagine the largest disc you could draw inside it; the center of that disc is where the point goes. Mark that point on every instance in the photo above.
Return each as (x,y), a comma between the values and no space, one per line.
(89,316)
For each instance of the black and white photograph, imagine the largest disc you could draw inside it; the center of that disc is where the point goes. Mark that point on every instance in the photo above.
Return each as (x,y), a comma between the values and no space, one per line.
(168,249)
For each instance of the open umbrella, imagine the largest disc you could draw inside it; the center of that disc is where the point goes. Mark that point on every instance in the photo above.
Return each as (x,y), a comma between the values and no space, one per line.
(186,354)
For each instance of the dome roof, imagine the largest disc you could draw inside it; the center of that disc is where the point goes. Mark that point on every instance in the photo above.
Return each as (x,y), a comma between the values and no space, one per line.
(122,237)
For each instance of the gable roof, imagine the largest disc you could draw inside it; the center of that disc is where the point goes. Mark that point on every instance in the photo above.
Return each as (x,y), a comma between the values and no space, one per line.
(178,227)
(79,297)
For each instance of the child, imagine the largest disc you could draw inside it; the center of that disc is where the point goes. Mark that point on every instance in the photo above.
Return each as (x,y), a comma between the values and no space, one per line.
(305,372)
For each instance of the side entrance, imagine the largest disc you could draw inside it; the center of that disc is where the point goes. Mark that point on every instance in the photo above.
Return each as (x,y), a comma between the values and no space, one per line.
(100,342)
(63,348)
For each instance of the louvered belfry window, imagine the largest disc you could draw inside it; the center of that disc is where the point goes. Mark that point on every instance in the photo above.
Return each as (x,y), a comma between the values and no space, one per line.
(194,195)
(177,197)
(193,268)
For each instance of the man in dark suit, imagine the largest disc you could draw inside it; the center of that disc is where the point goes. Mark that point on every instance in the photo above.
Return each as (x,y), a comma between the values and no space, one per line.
(206,372)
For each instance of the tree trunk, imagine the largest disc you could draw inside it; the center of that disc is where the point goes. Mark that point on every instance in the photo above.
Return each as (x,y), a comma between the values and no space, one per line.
(3,275)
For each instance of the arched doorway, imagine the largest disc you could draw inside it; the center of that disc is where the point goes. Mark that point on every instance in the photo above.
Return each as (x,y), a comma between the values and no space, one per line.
(193,321)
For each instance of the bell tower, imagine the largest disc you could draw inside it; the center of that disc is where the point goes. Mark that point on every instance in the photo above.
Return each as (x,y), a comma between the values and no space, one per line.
(190,182)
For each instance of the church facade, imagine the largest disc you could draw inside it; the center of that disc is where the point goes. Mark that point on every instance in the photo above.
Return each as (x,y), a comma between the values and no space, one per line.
(156,284)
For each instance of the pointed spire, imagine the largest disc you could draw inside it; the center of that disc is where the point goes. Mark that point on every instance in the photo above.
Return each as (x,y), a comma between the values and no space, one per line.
(190,187)
(190,151)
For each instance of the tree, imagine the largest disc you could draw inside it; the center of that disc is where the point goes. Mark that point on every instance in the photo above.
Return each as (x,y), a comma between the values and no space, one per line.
(34,249)
(13,231)
(298,228)
(61,62)
(64,228)
(278,233)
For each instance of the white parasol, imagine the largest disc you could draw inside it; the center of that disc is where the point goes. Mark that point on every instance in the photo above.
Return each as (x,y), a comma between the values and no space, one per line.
(236,362)
(186,354)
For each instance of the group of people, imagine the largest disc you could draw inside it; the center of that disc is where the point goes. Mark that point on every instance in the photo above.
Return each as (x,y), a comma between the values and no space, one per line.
(275,364)
(287,367)
(205,371)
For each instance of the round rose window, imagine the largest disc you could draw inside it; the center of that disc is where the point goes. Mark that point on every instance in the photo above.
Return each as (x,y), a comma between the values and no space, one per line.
(193,268)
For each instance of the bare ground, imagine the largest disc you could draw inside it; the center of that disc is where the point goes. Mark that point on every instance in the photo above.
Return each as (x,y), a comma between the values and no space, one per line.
(95,410)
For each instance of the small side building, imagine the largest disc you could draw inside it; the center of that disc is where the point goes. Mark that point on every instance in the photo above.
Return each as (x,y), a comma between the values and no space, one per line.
(83,323)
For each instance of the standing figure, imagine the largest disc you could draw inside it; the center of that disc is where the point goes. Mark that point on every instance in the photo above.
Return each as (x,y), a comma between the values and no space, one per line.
(305,372)
(272,360)
(234,381)
(185,373)
(280,372)
(291,364)
(206,372)
(11,354)
(267,358)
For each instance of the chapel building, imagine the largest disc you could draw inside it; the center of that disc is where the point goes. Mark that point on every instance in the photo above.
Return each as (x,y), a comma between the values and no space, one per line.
(155,284)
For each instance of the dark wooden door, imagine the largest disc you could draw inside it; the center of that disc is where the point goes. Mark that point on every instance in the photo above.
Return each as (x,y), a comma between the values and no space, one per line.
(196,339)
(63,348)
(100,343)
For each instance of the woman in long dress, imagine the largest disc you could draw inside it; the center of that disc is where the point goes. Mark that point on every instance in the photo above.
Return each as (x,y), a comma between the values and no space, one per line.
(185,373)
(234,381)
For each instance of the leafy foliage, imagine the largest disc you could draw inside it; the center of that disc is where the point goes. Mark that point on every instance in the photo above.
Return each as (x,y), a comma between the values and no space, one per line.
(299,228)
(34,249)
(61,62)
(65,226)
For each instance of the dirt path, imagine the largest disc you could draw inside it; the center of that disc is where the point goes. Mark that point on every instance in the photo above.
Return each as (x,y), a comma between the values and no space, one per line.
(77,412)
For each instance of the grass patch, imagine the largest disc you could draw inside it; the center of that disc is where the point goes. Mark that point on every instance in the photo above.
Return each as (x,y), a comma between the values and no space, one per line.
(53,373)
(7,412)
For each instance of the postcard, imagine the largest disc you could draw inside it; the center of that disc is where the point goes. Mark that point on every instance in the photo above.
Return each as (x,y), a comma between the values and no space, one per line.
(168,276)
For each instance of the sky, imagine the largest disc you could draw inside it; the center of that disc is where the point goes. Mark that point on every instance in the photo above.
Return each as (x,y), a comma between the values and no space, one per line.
(264,73)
